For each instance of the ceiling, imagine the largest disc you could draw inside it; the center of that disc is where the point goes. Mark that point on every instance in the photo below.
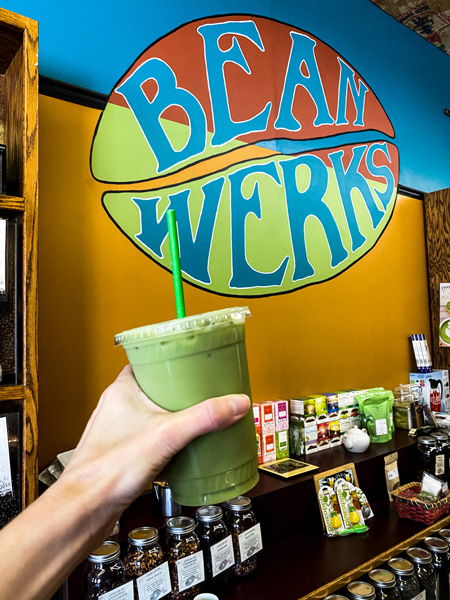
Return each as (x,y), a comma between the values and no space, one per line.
(430,19)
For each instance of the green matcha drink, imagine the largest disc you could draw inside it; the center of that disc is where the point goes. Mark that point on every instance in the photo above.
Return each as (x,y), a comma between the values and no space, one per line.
(182,362)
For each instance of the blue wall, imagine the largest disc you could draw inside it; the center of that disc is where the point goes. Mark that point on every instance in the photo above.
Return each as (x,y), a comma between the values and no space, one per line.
(91,44)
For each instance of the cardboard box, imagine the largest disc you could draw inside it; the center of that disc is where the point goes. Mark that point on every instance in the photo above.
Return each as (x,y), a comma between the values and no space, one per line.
(257,415)
(332,406)
(269,452)
(334,431)
(323,436)
(281,415)
(435,388)
(282,444)
(259,446)
(267,417)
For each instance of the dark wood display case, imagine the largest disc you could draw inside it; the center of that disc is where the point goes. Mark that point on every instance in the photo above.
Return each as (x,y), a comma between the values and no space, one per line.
(298,561)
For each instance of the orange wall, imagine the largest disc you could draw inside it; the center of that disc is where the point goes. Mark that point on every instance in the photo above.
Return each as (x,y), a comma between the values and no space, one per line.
(351,331)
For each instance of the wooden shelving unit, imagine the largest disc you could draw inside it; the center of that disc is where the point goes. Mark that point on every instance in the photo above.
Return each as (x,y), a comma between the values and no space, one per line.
(18,307)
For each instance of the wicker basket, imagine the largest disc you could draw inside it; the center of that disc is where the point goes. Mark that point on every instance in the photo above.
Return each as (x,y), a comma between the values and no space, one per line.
(419,510)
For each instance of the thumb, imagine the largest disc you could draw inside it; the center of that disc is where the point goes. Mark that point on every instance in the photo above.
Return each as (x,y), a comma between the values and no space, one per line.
(213,414)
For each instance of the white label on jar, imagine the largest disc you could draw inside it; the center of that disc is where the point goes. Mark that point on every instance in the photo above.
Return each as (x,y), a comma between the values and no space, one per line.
(2,256)
(381,427)
(392,474)
(124,592)
(154,584)
(250,542)
(5,466)
(421,596)
(222,556)
(191,571)
(440,464)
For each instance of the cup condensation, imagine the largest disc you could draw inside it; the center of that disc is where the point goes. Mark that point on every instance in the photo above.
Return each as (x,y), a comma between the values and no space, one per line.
(182,362)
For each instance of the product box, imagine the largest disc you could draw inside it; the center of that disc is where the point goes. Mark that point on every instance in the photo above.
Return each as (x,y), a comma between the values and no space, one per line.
(282,444)
(435,389)
(323,436)
(257,415)
(269,452)
(334,432)
(281,408)
(332,406)
(267,417)
(302,432)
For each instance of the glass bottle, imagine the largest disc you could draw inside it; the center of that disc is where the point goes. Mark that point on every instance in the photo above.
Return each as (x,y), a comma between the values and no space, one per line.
(211,529)
(360,590)
(440,557)
(426,449)
(239,518)
(182,541)
(143,554)
(384,583)
(442,455)
(407,582)
(103,572)
(425,571)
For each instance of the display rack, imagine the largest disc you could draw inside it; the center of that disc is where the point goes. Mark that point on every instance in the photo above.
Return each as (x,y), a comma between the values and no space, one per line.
(18,297)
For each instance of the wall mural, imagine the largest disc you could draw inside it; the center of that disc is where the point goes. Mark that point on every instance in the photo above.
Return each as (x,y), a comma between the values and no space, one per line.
(274,152)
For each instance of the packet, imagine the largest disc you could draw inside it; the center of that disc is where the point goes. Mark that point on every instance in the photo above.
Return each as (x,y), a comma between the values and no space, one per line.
(331,512)
(391,473)
(432,489)
(354,506)
(376,414)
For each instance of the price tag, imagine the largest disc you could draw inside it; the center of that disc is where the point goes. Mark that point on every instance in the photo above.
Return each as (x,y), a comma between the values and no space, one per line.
(154,584)
(250,542)
(222,556)
(124,592)
(381,427)
(421,596)
(191,571)
(5,465)
(440,464)
(392,474)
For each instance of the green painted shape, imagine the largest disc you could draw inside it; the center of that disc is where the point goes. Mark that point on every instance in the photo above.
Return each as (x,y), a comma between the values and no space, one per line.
(121,153)
(268,239)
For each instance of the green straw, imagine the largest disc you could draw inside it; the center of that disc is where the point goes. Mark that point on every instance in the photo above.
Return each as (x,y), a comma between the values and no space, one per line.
(175,261)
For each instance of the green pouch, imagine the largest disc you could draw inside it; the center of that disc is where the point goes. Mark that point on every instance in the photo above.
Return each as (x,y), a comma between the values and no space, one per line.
(375,407)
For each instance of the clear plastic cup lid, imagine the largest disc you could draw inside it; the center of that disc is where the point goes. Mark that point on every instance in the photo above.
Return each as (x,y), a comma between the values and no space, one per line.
(238,314)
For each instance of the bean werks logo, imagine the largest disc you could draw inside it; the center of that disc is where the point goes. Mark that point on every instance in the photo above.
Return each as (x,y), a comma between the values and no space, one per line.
(274,152)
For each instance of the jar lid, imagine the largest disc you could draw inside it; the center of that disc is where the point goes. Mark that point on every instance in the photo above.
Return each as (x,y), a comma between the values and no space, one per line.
(208,514)
(401,566)
(360,590)
(180,525)
(439,435)
(335,597)
(436,544)
(238,504)
(445,533)
(419,555)
(382,578)
(107,552)
(143,536)
(202,321)
(427,440)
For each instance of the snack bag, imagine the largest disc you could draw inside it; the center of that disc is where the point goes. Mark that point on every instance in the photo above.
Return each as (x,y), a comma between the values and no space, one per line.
(351,501)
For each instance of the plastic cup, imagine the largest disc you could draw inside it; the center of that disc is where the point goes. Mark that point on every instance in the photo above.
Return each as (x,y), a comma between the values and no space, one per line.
(182,362)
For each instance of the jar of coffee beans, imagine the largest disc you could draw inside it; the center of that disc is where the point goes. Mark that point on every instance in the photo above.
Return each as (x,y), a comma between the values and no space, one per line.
(384,583)
(441,560)
(185,558)
(360,590)
(425,571)
(240,518)
(104,571)
(407,582)
(143,554)
(211,530)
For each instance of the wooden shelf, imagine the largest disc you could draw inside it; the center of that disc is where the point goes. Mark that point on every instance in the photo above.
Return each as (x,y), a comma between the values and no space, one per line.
(12,203)
(12,392)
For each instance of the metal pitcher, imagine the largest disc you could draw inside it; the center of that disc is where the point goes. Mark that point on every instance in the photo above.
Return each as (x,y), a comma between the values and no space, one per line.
(163,493)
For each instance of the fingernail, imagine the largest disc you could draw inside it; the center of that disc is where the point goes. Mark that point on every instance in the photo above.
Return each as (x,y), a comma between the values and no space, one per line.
(240,403)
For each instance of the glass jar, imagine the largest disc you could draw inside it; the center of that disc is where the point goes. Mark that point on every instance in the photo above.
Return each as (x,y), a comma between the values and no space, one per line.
(384,583)
(104,571)
(143,554)
(335,597)
(440,558)
(407,582)
(426,449)
(211,529)
(425,571)
(360,590)
(239,518)
(442,455)
(182,541)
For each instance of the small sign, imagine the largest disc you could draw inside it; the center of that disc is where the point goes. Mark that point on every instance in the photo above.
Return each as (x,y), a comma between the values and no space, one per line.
(5,465)
(444,315)
(2,256)
(123,592)
(222,556)
(250,542)
(191,571)
(154,584)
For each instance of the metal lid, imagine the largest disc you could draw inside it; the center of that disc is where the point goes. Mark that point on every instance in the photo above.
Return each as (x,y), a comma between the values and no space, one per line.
(427,440)
(143,536)
(382,578)
(440,435)
(445,533)
(401,566)
(107,552)
(208,514)
(239,504)
(436,544)
(419,556)
(360,590)
(180,525)
(205,320)
(335,597)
